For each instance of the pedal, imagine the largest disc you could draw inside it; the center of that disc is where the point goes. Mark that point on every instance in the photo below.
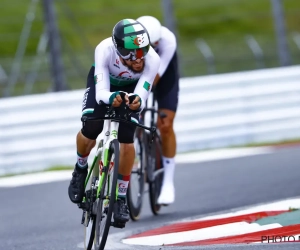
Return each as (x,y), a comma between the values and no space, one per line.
(84,206)
(81,205)
(83,217)
(118,224)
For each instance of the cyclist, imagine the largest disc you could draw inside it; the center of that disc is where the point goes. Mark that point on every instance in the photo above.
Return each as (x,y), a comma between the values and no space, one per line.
(124,62)
(166,89)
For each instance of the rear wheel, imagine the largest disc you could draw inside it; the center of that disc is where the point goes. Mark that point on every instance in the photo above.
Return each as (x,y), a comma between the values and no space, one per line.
(156,183)
(135,190)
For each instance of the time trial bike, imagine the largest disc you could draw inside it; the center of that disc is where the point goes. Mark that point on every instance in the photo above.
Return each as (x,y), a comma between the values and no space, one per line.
(101,182)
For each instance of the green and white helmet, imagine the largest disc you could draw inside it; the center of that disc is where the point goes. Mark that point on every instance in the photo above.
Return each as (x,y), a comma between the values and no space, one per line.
(131,39)
(153,27)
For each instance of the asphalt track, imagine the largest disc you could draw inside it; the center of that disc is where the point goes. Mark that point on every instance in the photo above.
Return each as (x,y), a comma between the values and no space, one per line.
(42,217)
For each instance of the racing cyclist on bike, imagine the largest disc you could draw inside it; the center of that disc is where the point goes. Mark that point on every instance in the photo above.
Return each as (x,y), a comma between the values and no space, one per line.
(166,91)
(124,62)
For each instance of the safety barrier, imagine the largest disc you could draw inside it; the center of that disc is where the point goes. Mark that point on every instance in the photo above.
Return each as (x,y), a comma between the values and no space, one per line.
(39,131)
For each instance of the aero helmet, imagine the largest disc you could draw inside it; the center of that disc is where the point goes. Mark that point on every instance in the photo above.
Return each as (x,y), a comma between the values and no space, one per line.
(153,27)
(131,39)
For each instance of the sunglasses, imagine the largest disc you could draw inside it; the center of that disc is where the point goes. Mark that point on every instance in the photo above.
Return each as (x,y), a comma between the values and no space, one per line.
(133,54)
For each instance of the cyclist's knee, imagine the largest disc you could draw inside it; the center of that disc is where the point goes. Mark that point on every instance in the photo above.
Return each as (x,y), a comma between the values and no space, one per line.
(91,129)
(84,141)
(166,127)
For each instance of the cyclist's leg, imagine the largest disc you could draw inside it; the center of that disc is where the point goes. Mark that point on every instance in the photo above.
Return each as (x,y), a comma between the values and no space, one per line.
(85,139)
(167,98)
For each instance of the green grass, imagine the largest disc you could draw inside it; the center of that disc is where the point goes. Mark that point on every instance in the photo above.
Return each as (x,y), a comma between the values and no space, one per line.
(223,24)
(59,168)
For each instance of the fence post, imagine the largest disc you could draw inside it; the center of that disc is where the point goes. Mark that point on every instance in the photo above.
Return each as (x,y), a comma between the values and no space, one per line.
(208,55)
(296,38)
(169,21)
(257,51)
(40,53)
(16,66)
(283,50)
(55,46)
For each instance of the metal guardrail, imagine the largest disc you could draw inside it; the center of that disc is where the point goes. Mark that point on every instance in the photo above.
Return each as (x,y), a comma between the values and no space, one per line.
(39,131)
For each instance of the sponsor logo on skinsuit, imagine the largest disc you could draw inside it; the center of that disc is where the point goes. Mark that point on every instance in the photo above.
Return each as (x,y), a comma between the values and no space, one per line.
(121,77)
(86,93)
(117,64)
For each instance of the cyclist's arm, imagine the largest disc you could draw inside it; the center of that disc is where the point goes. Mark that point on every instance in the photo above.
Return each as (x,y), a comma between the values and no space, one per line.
(102,56)
(167,49)
(145,83)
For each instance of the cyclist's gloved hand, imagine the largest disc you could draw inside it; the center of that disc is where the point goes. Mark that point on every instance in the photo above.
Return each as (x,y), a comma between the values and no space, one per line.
(135,102)
(117,98)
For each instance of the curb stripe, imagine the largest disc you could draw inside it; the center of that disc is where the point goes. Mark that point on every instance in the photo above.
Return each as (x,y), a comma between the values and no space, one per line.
(242,225)
(219,231)
(194,225)
(246,238)
(273,206)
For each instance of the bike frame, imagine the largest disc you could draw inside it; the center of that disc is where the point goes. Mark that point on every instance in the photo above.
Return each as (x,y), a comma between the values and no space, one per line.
(107,146)
(110,132)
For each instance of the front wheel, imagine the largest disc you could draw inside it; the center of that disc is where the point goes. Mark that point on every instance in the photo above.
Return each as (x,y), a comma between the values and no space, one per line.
(89,219)
(156,183)
(135,191)
(107,197)
(89,233)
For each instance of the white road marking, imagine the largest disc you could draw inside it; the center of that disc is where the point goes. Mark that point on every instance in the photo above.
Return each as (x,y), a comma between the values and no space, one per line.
(36,178)
(220,154)
(194,157)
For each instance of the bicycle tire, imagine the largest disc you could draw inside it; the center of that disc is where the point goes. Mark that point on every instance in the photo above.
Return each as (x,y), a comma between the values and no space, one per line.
(93,218)
(98,212)
(92,235)
(136,207)
(155,185)
(113,150)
